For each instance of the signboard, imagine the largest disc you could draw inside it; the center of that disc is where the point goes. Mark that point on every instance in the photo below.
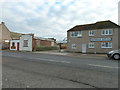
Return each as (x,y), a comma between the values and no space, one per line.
(7,41)
(100,39)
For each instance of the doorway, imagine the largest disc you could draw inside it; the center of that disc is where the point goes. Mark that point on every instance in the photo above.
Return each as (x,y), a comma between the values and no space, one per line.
(83,48)
(18,46)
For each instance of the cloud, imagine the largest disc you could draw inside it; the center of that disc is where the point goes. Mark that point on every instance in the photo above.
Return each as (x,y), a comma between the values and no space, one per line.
(52,18)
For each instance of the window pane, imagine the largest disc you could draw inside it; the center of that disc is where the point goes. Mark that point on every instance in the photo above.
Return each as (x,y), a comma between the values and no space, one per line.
(91,45)
(110,32)
(73,46)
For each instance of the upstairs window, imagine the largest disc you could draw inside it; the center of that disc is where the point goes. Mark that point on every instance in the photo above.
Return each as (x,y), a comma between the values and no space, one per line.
(76,34)
(91,33)
(106,32)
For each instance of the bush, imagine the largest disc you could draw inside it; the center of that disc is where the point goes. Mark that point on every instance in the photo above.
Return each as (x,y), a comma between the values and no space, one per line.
(45,48)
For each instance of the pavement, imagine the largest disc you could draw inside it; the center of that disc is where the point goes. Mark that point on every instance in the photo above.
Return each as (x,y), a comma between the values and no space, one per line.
(65,53)
(61,52)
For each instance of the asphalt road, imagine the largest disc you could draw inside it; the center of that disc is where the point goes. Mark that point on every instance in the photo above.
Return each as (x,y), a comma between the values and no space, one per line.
(32,70)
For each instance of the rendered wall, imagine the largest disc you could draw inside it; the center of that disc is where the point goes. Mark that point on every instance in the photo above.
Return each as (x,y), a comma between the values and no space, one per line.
(26,37)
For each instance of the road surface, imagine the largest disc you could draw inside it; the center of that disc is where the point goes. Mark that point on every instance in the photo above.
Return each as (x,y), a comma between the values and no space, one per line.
(32,70)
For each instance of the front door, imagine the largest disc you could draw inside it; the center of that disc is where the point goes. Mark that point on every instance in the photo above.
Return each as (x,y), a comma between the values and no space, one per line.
(83,48)
(18,46)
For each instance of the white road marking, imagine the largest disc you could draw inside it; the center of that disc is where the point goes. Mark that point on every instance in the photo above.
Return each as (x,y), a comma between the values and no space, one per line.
(28,86)
(101,66)
(43,59)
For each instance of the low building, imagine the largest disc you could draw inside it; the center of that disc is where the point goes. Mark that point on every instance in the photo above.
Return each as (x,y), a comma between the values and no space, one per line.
(24,43)
(6,35)
(27,42)
(62,44)
(45,42)
(99,37)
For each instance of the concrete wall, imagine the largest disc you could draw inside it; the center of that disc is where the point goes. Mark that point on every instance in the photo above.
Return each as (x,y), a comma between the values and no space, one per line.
(15,41)
(30,45)
(85,39)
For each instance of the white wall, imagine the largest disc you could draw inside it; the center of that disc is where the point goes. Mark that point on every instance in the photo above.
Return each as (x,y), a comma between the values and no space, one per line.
(15,41)
(26,37)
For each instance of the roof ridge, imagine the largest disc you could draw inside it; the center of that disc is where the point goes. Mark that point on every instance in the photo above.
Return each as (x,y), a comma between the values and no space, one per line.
(97,25)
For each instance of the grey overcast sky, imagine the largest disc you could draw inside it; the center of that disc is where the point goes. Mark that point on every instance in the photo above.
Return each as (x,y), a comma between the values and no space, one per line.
(52,18)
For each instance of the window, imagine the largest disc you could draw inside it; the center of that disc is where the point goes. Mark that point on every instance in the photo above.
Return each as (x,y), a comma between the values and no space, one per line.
(106,45)
(76,34)
(91,33)
(13,45)
(79,34)
(74,46)
(91,45)
(25,43)
(106,32)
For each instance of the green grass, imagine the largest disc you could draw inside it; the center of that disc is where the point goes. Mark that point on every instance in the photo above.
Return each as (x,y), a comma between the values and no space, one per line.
(45,48)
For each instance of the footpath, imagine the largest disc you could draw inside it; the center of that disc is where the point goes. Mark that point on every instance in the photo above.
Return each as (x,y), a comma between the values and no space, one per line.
(64,53)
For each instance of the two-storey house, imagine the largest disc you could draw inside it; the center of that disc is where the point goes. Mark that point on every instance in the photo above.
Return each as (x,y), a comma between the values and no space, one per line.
(99,37)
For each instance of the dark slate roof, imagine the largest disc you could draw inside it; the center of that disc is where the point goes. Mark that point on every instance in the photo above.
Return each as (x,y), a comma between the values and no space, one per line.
(94,26)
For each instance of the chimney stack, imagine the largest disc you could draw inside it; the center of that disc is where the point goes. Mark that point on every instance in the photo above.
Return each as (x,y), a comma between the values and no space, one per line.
(2,23)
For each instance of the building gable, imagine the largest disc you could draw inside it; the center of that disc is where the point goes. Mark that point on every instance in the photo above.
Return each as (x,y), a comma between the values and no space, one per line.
(5,33)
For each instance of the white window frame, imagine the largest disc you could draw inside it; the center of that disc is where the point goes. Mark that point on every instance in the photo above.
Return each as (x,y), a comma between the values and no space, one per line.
(106,45)
(107,32)
(74,46)
(92,33)
(79,34)
(92,45)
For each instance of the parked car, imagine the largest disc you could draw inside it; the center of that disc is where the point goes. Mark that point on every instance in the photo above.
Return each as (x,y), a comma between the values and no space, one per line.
(114,54)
